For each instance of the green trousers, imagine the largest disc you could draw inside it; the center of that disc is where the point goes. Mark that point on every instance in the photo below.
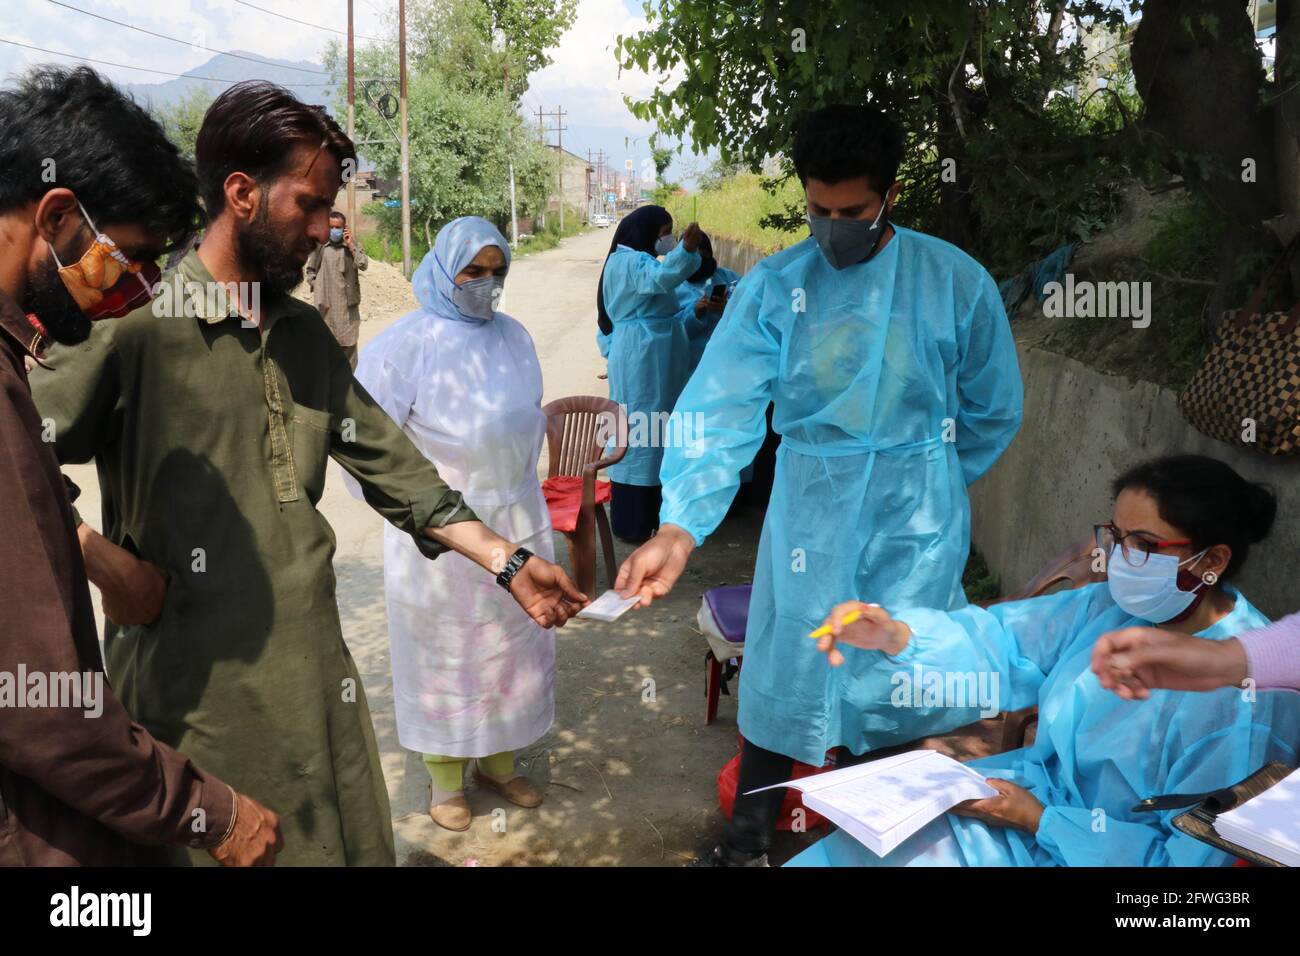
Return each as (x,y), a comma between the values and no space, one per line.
(448,773)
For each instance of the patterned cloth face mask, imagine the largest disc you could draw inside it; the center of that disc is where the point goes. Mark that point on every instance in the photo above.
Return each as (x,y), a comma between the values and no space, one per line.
(104,283)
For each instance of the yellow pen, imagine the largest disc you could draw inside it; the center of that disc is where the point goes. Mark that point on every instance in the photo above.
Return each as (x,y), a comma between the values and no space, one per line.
(826,628)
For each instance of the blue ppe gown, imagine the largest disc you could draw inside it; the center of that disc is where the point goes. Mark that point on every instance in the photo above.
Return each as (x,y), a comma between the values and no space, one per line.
(894,385)
(648,352)
(1095,755)
(700,329)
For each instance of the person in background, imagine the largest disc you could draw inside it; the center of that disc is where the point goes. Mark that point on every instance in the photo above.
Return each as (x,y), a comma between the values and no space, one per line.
(73,790)
(649,355)
(1181,528)
(473,675)
(701,309)
(211,421)
(1134,661)
(336,288)
(888,362)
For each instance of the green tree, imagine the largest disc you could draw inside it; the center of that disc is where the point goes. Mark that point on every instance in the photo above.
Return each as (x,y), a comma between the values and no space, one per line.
(973,84)
(182,119)
(463,119)
(1023,117)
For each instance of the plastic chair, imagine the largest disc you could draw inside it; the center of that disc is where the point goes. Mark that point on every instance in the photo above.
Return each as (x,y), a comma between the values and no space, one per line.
(577,429)
(1071,568)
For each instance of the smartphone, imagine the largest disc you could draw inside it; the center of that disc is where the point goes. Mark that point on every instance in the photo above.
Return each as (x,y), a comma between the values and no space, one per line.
(719,292)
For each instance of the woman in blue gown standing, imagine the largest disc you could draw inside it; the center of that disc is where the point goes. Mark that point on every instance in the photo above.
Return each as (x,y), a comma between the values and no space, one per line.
(649,354)
(701,310)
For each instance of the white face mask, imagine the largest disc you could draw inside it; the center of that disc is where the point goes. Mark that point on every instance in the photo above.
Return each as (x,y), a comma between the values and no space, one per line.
(1151,592)
(665,244)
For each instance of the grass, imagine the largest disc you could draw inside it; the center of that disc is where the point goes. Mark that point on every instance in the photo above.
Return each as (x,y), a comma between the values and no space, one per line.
(734,210)
(978,581)
(548,238)
(374,248)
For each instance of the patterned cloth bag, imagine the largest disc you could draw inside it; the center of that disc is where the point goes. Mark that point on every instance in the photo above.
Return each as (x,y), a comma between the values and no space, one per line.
(1247,392)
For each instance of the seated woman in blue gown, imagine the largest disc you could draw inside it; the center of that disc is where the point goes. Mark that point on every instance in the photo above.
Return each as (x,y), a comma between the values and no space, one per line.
(1181,527)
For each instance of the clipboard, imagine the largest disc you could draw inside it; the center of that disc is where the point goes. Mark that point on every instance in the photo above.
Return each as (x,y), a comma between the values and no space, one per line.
(1198,822)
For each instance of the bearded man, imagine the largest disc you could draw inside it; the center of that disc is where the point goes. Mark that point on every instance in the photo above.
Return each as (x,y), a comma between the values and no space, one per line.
(211,415)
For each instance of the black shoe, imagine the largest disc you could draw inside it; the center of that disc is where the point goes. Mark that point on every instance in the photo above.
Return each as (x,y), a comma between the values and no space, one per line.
(722,856)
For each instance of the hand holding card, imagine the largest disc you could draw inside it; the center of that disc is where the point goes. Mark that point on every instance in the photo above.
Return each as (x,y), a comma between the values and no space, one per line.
(609,607)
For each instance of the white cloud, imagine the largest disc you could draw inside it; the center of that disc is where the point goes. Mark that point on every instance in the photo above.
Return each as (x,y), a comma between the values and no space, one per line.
(584,78)
(215,24)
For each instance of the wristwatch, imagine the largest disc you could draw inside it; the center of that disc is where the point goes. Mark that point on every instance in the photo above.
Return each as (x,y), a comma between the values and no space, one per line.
(512,567)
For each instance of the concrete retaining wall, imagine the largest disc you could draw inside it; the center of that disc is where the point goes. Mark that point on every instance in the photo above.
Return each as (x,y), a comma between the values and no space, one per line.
(739,257)
(1081,429)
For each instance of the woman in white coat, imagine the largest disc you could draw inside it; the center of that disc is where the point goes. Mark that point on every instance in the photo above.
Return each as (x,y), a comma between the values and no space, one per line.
(473,675)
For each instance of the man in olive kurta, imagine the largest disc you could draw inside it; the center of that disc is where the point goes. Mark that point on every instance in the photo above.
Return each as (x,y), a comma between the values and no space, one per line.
(211,421)
(222,495)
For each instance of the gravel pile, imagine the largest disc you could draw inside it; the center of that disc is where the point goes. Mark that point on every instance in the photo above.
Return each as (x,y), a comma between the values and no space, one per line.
(385,292)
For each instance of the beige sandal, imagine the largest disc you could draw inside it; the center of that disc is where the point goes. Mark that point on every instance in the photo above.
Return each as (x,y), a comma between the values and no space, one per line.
(518,790)
(452,814)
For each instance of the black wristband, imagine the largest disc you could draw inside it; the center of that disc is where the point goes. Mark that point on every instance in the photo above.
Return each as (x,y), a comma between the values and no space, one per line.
(512,567)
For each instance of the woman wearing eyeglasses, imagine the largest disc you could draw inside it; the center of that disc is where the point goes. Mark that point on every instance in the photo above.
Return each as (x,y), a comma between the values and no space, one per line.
(1181,528)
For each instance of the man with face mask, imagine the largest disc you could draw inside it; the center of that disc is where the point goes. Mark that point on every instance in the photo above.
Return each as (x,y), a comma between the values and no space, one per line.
(211,416)
(892,374)
(335,285)
(78,778)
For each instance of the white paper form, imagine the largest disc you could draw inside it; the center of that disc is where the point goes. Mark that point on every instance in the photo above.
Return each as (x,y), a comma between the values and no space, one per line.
(884,802)
(609,607)
(1269,824)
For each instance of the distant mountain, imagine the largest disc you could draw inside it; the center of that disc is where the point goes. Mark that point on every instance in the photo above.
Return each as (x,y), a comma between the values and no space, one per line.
(306,86)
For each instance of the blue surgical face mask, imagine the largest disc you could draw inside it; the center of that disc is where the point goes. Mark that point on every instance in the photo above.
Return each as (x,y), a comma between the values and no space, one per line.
(478,298)
(665,244)
(1151,592)
(336,235)
(846,242)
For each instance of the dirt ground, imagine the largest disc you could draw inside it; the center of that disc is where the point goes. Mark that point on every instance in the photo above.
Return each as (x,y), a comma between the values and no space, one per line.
(629,769)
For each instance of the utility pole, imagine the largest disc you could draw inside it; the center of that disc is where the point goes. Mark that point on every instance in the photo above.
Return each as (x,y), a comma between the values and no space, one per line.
(402,132)
(559,128)
(352,125)
(600,181)
(541,138)
(499,41)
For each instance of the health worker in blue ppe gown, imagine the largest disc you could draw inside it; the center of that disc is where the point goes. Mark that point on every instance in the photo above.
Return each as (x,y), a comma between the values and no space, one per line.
(701,309)
(649,355)
(890,366)
(1181,527)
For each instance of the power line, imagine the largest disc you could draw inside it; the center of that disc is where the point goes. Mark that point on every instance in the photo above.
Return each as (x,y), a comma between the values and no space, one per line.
(127,66)
(188,43)
(305,23)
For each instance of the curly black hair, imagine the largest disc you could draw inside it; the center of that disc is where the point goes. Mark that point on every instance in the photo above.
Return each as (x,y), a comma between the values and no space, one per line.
(844,142)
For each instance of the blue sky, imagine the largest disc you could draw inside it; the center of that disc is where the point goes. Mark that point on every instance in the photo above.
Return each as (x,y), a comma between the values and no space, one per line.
(584,78)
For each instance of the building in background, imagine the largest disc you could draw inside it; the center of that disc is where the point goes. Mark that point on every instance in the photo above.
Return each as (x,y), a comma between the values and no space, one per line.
(574,180)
